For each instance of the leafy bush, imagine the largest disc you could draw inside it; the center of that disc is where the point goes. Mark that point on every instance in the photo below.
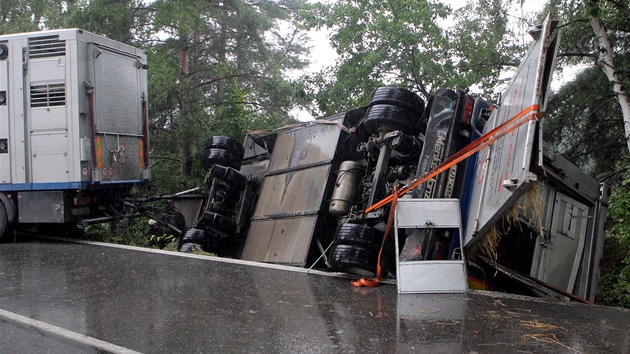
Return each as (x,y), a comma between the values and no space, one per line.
(614,287)
(132,233)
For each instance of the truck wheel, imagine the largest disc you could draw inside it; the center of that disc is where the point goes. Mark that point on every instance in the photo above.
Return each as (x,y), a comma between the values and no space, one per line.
(352,259)
(385,118)
(218,222)
(234,178)
(213,156)
(358,235)
(398,97)
(195,236)
(190,247)
(4,220)
(225,143)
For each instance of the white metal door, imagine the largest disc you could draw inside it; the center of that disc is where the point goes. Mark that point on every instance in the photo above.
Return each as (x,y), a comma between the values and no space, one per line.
(429,276)
(564,244)
(47,109)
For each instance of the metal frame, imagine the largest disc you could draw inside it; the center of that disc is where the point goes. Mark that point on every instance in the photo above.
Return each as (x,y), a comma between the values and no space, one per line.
(435,276)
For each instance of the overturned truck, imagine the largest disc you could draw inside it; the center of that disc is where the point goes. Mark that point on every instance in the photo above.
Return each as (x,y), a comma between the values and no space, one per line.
(528,221)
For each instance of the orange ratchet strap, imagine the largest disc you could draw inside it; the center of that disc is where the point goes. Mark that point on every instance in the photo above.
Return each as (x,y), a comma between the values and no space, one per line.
(372,282)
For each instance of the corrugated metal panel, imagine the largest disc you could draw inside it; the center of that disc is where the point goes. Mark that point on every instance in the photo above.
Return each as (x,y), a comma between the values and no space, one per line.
(293,192)
(283,241)
(304,147)
(117,93)
(292,195)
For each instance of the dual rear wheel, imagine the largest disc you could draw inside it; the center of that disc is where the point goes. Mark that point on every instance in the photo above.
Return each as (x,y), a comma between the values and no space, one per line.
(356,249)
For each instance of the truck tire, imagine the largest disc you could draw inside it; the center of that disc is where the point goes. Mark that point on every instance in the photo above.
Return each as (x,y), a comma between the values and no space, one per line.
(225,143)
(190,247)
(385,118)
(352,259)
(234,178)
(196,236)
(358,235)
(398,97)
(222,157)
(217,222)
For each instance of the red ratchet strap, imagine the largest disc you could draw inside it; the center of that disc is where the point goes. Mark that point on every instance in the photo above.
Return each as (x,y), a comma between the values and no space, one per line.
(508,126)
(372,282)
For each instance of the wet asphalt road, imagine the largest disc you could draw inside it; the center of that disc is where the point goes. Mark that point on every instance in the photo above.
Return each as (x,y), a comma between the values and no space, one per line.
(77,298)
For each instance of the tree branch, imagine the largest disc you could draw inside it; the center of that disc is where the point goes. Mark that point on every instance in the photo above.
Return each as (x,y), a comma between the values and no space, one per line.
(222,103)
(619,6)
(210,82)
(578,54)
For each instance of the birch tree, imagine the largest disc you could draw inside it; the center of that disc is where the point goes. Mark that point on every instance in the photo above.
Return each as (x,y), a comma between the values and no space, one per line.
(597,32)
(605,60)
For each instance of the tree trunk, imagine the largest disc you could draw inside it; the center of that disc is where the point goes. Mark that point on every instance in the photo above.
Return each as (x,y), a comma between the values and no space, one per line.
(185,150)
(222,57)
(605,61)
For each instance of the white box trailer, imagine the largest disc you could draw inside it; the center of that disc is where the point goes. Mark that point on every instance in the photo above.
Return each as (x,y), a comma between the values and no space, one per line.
(73,125)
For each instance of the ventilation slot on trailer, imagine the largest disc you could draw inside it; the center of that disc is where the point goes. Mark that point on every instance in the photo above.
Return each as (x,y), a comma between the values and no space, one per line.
(46,46)
(47,95)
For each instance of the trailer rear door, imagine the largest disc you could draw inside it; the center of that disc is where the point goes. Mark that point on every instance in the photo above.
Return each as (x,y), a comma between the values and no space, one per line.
(119,88)
(557,260)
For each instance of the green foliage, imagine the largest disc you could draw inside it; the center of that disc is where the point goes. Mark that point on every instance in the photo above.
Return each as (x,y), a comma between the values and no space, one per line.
(395,41)
(32,15)
(405,43)
(121,20)
(584,123)
(484,44)
(224,67)
(129,232)
(619,213)
(614,288)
